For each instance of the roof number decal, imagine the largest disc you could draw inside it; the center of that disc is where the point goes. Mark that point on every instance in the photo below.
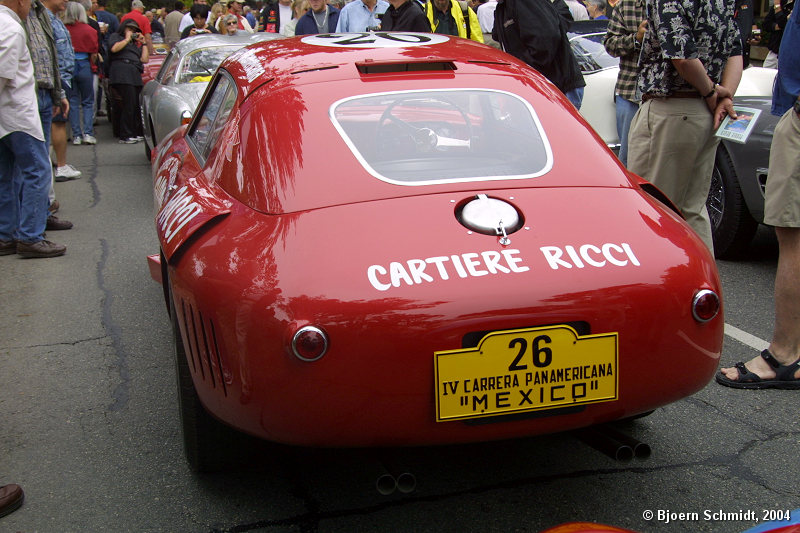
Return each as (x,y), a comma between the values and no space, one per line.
(375,40)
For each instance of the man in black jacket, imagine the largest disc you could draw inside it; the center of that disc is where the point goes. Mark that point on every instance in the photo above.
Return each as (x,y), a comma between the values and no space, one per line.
(405,15)
(275,15)
(775,22)
(535,31)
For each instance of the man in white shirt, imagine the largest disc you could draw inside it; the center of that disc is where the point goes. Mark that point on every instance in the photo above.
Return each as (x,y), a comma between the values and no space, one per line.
(25,171)
(577,10)
(275,16)
(485,14)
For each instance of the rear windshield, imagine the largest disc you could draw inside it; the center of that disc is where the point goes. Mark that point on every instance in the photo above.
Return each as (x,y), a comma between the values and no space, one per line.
(445,136)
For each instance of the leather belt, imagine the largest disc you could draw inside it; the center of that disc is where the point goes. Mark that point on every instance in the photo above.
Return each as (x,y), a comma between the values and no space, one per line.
(677,94)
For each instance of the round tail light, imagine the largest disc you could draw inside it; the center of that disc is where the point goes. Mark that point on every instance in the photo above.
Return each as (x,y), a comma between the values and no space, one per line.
(309,343)
(705,305)
(186,117)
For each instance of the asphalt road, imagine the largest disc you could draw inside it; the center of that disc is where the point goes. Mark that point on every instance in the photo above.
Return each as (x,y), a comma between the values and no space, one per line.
(89,424)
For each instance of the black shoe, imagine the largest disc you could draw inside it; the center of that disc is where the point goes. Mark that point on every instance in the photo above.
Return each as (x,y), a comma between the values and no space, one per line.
(55,224)
(40,249)
(11,498)
(8,247)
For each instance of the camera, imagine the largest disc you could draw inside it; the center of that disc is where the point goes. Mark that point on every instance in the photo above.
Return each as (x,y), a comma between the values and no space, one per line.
(135,35)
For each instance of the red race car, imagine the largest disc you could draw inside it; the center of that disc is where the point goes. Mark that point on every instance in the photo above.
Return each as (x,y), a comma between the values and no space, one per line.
(390,239)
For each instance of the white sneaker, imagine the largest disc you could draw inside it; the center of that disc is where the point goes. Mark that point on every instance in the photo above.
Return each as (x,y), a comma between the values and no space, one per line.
(67,172)
(89,139)
(77,140)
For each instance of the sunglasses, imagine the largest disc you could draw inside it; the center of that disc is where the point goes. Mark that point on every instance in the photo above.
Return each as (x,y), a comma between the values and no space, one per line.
(232,23)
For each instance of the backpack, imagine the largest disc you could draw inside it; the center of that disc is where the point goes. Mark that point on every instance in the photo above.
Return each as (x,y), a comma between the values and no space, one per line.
(465,13)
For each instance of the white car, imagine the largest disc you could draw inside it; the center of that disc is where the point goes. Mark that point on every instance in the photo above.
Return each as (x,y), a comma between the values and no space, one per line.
(600,73)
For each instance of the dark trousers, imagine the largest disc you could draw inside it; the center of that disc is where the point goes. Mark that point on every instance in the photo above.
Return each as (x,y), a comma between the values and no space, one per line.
(130,116)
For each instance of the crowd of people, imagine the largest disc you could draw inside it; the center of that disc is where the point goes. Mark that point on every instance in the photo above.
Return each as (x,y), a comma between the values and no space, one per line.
(679,69)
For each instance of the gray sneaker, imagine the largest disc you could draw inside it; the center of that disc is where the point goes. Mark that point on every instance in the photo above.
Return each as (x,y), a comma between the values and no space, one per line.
(40,249)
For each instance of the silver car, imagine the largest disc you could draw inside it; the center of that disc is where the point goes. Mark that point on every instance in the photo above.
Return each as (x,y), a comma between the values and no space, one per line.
(169,100)
(736,199)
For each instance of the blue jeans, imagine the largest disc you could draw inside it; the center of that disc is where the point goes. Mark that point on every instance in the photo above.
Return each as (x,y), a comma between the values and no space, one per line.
(81,98)
(25,176)
(625,111)
(576,97)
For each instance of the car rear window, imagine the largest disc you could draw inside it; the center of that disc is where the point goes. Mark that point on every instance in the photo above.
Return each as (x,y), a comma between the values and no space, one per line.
(443,136)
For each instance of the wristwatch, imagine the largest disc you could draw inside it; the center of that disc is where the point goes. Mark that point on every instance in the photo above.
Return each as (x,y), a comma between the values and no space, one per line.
(712,93)
(797,106)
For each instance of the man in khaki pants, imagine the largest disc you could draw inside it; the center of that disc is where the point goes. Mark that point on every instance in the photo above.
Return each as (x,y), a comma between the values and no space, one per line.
(690,66)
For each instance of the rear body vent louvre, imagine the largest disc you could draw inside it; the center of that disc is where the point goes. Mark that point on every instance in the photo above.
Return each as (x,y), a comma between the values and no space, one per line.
(202,347)
(371,67)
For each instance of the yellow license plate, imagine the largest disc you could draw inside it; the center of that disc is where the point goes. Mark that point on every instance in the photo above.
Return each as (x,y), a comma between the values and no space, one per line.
(525,370)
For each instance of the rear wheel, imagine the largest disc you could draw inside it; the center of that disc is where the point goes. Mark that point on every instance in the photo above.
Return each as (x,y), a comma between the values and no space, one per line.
(732,226)
(148,150)
(208,444)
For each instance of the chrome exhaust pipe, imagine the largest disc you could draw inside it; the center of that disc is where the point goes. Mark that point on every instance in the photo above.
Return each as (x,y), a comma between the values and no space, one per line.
(640,449)
(386,484)
(601,441)
(406,482)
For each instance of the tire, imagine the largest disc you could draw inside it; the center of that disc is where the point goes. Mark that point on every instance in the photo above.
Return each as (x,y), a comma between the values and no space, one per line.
(208,444)
(732,226)
(147,148)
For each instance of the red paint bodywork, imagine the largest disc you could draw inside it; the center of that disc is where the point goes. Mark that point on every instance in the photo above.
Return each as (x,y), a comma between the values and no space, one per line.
(152,67)
(290,222)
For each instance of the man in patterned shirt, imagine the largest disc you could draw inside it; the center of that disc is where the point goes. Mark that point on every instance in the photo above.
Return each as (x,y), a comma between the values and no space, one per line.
(624,40)
(690,66)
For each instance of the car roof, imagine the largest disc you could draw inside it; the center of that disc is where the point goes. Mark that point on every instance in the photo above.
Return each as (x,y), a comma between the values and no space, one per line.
(331,57)
(188,44)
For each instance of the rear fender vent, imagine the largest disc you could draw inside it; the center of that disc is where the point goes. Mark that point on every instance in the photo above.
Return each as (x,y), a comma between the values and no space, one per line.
(202,347)
(656,193)
(387,67)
